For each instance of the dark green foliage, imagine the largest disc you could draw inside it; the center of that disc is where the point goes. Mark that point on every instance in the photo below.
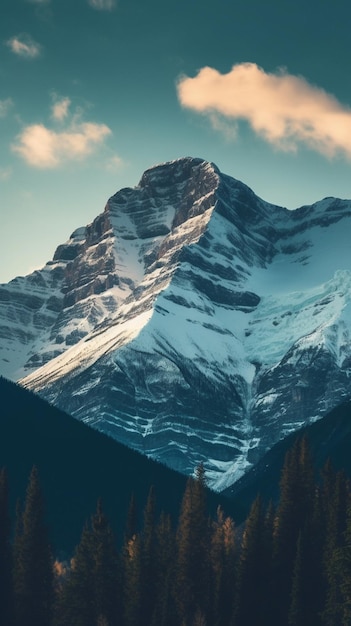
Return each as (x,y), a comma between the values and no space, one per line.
(252,606)
(92,591)
(132,519)
(289,564)
(5,553)
(223,569)
(132,568)
(148,565)
(33,566)
(297,493)
(77,465)
(164,559)
(192,571)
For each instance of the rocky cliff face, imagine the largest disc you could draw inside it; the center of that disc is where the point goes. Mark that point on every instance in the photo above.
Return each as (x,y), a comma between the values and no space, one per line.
(191,320)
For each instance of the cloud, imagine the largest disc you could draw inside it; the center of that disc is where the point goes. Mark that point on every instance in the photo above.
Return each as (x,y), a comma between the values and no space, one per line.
(5,106)
(44,148)
(5,173)
(24,46)
(283,109)
(114,163)
(60,108)
(102,5)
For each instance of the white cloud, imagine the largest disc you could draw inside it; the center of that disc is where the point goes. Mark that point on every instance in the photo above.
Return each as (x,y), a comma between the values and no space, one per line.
(283,109)
(60,108)
(5,106)
(24,46)
(44,148)
(102,5)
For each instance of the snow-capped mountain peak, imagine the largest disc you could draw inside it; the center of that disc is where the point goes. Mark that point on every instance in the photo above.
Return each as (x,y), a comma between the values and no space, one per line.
(192,320)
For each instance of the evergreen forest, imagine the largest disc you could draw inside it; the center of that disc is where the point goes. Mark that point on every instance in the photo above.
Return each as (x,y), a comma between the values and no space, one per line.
(289,563)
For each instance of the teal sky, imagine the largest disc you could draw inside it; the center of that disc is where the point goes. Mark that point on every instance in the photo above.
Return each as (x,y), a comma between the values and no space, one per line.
(93,92)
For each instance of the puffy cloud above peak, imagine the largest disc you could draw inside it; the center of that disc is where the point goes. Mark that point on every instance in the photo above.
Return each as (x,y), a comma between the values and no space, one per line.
(102,5)
(24,46)
(282,108)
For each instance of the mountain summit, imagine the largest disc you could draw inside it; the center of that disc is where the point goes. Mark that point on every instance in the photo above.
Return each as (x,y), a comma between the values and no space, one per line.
(191,320)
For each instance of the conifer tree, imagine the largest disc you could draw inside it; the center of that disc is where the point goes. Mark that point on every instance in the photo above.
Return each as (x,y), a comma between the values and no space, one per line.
(33,565)
(6,599)
(192,560)
(345,567)
(132,582)
(223,567)
(76,606)
(92,590)
(148,564)
(297,608)
(253,570)
(164,611)
(336,501)
(132,520)
(106,580)
(297,491)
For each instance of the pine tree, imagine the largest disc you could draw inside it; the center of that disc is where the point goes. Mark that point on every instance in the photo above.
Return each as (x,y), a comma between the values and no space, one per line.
(336,500)
(106,580)
(253,570)
(164,611)
(132,582)
(148,564)
(6,599)
(192,560)
(92,590)
(33,566)
(76,605)
(132,520)
(223,567)
(297,492)
(296,615)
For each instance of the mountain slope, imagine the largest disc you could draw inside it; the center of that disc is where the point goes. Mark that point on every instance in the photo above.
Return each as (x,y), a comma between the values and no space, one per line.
(328,438)
(198,322)
(77,465)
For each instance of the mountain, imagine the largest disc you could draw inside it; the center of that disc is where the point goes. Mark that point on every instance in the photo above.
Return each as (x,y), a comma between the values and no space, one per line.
(328,439)
(191,320)
(77,465)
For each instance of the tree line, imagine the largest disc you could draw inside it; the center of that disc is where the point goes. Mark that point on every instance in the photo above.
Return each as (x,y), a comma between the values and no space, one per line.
(288,564)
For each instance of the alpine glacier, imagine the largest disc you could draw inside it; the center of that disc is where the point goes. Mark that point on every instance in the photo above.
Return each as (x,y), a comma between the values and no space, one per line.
(191,320)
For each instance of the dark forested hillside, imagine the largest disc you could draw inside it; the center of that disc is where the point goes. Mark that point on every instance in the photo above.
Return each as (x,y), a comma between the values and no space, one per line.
(289,564)
(78,465)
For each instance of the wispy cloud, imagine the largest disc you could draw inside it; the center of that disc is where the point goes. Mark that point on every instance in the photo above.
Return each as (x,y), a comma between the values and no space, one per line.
(24,46)
(282,108)
(114,163)
(5,106)
(60,108)
(45,148)
(5,173)
(102,5)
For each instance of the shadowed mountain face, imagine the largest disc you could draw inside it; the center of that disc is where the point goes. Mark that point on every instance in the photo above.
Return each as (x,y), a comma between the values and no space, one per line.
(191,320)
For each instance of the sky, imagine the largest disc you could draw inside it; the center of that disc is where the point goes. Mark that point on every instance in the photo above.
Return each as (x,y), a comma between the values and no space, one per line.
(93,92)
